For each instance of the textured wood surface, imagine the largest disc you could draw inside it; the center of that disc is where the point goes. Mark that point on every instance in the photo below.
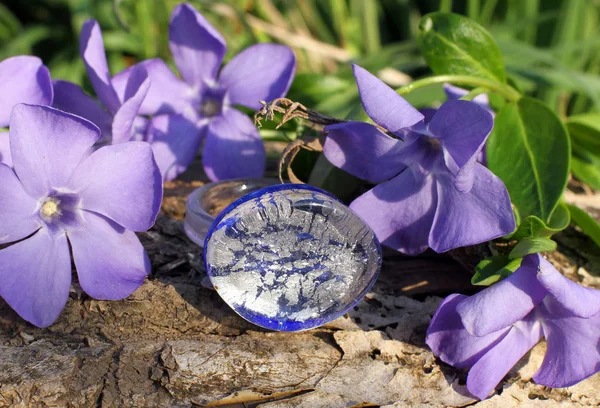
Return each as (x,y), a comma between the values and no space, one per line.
(175,343)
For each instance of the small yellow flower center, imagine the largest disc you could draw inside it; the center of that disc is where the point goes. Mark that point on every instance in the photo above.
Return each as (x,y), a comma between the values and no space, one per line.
(50,208)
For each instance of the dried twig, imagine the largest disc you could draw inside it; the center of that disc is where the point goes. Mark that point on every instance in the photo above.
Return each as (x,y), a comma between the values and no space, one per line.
(291,110)
(306,142)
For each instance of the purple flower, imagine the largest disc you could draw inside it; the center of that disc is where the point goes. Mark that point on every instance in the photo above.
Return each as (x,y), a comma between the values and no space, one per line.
(432,191)
(454,93)
(118,118)
(61,194)
(232,144)
(23,79)
(490,331)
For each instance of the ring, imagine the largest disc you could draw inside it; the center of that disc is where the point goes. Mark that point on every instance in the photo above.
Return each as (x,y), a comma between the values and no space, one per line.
(205,203)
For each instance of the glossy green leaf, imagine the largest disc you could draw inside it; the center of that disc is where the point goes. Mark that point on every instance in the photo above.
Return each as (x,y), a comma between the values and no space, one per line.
(532,245)
(585,131)
(529,150)
(454,44)
(532,226)
(583,220)
(493,269)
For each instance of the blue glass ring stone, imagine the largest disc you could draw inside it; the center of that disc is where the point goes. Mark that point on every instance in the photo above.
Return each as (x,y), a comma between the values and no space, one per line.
(291,257)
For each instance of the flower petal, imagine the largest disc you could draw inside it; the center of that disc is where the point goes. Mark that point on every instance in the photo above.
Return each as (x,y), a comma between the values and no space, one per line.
(463,128)
(419,153)
(18,210)
(36,277)
(23,79)
(91,47)
(451,342)
(167,93)
(261,72)
(233,148)
(5,156)
(197,47)
(47,145)
(175,142)
(111,262)
(388,109)
(400,211)
(135,92)
(496,363)
(463,219)
(581,301)
(420,128)
(573,346)
(363,150)
(454,93)
(504,303)
(69,97)
(121,182)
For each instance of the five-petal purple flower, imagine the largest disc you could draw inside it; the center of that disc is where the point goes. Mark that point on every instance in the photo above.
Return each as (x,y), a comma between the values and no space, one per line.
(433,193)
(63,193)
(119,120)
(232,144)
(489,332)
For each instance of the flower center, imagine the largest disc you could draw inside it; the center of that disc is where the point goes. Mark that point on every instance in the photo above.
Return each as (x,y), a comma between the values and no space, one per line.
(434,143)
(50,209)
(210,107)
(60,212)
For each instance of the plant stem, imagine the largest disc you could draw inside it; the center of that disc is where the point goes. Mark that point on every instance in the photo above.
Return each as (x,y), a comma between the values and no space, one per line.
(277,136)
(507,91)
(446,6)
(474,93)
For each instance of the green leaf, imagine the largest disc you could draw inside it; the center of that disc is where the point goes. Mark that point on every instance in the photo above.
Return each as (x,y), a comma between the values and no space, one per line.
(493,269)
(587,170)
(119,41)
(532,226)
(583,220)
(454,44)
(585,131)
(529,150)
(532,245)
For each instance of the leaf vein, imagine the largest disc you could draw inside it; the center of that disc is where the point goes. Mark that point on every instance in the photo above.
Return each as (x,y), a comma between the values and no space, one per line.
(530,155)
(460,51)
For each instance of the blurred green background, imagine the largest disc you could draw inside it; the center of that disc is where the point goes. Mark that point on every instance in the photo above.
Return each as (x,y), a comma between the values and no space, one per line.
(551,47)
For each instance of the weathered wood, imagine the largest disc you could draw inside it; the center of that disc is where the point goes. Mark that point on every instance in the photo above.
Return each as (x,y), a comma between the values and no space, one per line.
(175,343)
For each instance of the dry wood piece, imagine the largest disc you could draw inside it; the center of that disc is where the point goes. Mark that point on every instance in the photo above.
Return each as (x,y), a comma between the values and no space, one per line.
(175,343)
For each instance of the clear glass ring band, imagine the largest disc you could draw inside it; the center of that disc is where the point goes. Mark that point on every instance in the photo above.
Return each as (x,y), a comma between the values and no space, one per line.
(205,203)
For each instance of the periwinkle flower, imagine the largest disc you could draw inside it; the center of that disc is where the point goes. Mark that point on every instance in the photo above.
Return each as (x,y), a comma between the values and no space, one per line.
(118,119)
(63,194)
(232,146)
(23,79)
(454,93)
(432,191)
(490,331)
